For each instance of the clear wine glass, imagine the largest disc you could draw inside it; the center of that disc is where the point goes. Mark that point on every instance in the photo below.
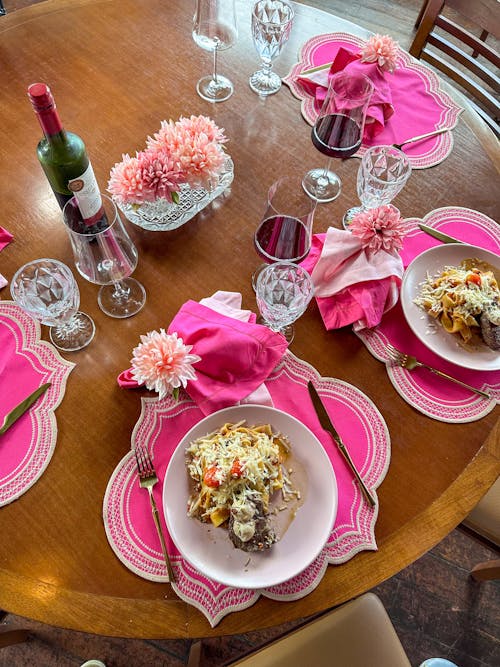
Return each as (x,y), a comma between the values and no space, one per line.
(382,174)
(283,293)
(47,290)
(285,230)
(338,130)
(105,255)
(271,26)
(214,29)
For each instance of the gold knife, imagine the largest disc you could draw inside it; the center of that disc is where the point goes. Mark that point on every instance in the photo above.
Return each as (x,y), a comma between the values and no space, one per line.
(20,409)
(441,236)
(326,423)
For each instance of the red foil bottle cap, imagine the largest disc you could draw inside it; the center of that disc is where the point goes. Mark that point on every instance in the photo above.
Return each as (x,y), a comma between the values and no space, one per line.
(41,97)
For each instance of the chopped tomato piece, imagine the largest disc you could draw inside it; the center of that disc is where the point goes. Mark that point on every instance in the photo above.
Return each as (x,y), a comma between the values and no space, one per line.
(236,469)
(209,477)
(473,278)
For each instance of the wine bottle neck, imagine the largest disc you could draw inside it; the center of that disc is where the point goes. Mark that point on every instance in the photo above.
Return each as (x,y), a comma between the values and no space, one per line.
(50,123)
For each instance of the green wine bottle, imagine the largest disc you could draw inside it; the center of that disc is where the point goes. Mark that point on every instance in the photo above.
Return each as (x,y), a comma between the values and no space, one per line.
(64,160)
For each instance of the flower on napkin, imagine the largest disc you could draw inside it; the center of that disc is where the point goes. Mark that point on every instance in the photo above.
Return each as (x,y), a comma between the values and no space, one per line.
(381,49)
(189,151)
(162,362)
(379,228)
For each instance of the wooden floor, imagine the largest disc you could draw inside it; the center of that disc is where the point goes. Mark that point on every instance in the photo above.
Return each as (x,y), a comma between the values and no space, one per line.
(437,609)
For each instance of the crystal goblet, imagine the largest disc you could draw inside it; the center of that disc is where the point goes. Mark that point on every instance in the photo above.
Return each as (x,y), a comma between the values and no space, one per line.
(271,26)
(105,255)
(382,174)
(47,290)
(283,292)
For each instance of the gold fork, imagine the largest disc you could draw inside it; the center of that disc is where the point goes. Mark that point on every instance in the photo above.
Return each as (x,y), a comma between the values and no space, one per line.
(147,480)
(409,362)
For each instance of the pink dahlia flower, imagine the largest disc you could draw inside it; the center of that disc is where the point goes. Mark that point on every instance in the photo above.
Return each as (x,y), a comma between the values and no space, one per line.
(162,362)
(201,160)
(379,229)
(381,49)
(161,175)
(125,181)
(198,125)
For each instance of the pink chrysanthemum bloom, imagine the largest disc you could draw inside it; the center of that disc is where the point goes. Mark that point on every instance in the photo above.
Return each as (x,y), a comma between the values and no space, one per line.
(161,175)
(162,362)
(201,161)
(125,182)
(167,139)
(197,125)
(379,229)
(381,49)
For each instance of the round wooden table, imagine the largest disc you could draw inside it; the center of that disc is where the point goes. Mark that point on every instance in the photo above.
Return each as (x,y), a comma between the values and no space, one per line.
(117,69)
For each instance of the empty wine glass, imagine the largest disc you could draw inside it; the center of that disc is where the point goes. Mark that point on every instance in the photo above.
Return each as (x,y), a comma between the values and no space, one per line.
(285,230)
(283,293)
(382,174)
(214,29)
(271,25)
(47,290)
(105,255)
(338,130)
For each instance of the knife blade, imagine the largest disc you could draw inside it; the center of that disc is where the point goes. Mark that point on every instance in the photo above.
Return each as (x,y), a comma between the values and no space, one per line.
(441,236)
(23,406)
(326,423)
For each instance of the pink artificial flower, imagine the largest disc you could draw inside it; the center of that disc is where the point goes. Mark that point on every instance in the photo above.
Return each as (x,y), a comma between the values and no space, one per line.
(125,182)
(167,139)
(197,125)
(381,49)
(201,161)
(379,229)
(161,175)
(162,362)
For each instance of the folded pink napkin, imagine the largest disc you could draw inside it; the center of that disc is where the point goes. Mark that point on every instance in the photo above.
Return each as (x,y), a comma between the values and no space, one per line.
(380,107)
(237,355)
(5,238)
(353,285)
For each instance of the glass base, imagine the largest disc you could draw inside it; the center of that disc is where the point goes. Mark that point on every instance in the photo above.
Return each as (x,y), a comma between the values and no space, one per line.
(124,299)
(264,83)
(75,334)
(321,185)
(349,215)
(215,90)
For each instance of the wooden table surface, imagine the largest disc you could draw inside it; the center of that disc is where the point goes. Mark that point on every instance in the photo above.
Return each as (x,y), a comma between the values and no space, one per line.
(117,69)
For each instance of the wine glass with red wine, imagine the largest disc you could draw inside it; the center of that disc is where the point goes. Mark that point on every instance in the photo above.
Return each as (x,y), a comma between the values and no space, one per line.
(338,131)
(284,232)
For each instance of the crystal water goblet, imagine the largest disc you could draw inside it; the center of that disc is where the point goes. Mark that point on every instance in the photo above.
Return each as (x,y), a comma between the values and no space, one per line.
(283,292)
(214,30)
(338,131)
(47,290)
(285,229)
(272,22)
(105,255)
(382,174)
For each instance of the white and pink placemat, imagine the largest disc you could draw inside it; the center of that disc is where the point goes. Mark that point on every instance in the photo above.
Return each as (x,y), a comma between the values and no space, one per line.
(436,397)
(127,514)
(420,105)
(26,362)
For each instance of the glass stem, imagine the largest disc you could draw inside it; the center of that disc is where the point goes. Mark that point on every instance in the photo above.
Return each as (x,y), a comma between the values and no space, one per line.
(215,62)
(267,66)
(327,167)
(120,292)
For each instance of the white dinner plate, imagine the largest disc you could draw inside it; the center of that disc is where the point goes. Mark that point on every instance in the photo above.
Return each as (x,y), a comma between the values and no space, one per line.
(210,549)
(444,344)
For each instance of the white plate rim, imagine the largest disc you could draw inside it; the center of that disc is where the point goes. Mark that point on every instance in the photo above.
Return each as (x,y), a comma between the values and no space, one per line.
(442,343)
(264,572)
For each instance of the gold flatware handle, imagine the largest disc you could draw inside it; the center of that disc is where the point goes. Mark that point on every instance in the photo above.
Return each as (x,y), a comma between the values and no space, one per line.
(450,377)
(22,407)
(419,137)
(156,517)
(361,483)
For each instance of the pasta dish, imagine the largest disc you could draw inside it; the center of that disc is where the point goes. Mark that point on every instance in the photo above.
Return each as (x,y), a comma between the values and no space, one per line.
(236,470)
(464,300)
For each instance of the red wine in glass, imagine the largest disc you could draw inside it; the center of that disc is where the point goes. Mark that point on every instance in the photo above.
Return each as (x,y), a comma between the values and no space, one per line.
(336,135)
(282,237)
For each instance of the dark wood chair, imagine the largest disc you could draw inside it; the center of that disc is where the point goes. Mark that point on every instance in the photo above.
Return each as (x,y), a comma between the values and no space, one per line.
(484,521)
(449,45)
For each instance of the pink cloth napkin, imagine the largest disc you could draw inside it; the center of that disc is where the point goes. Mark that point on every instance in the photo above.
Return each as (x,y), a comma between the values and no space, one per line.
(380,108)
(352,286)
(5,238)
(237,355)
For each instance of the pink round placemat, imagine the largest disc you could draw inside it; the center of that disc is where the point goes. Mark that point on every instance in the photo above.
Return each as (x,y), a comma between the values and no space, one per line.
(127,514)
(26,362)
(433,396)
(435,109)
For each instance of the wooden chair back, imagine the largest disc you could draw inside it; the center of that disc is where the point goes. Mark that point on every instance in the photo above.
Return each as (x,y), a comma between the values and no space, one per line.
(446,39)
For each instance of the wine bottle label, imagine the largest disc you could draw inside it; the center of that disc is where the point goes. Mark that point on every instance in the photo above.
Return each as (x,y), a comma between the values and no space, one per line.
(87,193)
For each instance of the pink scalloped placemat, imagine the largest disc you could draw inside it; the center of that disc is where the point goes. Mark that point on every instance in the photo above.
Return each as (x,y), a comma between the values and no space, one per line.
(408,120)
(436,397)
(127,514)
(26,362)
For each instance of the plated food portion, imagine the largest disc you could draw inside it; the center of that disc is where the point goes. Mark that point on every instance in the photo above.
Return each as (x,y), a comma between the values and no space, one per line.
(236,471)
(250,496)
(451,300)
